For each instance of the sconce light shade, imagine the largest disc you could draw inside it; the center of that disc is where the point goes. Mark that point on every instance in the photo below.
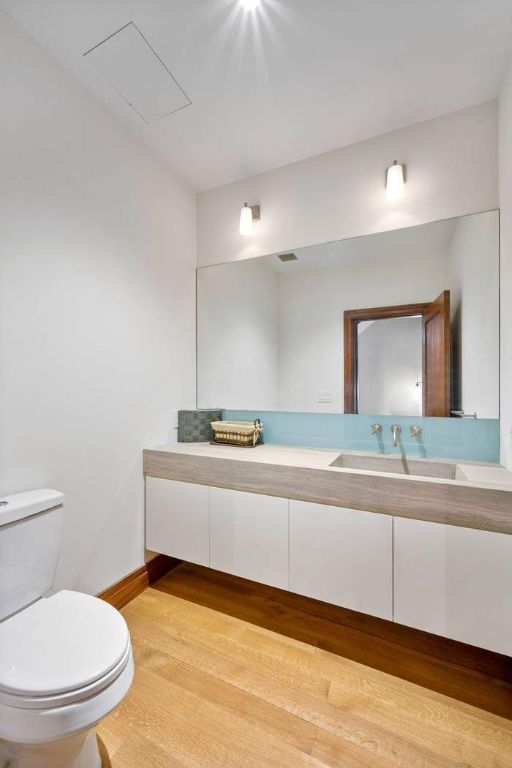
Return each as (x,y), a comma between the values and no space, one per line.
(246,226)
(248,215)
(395,182)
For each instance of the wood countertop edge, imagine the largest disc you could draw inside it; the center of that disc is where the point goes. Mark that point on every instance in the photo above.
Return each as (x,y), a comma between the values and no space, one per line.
(438,501)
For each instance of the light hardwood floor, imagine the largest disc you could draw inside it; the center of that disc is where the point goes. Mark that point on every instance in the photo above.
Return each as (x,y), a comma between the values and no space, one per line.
(214,691)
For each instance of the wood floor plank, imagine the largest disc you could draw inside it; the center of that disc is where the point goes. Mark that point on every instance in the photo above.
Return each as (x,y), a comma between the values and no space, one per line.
(194,729)
(431,729)
(114,731)
(264,669)
(360,688)
(140,752)
(279,611)
(362,745)
(212,690)
(360,736)
(236,701)
(241,648)
(307,668)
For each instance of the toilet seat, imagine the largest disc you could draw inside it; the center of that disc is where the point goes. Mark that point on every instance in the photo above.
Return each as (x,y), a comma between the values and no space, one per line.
(24,725)
(60,650)
(68,697)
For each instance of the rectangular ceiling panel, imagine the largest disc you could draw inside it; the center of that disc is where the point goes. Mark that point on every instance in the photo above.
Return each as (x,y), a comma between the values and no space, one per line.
(132,67)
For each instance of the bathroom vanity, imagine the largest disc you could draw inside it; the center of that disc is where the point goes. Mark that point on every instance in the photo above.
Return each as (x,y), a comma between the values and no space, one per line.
(355,344)
(431,549)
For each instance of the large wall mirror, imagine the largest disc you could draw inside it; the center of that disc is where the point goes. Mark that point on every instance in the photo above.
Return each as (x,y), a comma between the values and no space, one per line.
(399,323)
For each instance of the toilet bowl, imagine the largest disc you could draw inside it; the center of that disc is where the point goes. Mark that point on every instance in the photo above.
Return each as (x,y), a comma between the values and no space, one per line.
(65,663)
(65,660)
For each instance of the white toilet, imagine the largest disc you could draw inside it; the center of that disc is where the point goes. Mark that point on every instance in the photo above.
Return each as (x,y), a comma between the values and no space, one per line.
(65,660)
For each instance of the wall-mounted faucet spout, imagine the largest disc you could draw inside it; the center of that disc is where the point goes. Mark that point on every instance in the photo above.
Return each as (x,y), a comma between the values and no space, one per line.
(395,431)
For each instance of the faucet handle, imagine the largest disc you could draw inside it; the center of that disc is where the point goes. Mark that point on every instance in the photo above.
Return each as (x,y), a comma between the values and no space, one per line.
(416,431)
(376,429)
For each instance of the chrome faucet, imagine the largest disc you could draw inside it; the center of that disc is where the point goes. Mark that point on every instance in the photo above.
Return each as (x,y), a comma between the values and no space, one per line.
(395,430)
(376,429)
(416,431)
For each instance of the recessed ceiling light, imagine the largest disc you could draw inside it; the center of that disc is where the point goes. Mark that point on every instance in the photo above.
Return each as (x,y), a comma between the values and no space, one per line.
(249,5)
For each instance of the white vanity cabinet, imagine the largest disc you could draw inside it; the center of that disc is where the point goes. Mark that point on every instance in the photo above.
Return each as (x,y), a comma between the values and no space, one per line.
(249,536)
(177,519)
(455,582)
(445,579)
(342,556)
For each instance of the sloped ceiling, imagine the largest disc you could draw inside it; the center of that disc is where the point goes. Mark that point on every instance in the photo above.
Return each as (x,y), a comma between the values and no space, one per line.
(292,79)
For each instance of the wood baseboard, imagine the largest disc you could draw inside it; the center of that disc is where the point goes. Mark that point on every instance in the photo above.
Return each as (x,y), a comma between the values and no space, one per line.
(124,590)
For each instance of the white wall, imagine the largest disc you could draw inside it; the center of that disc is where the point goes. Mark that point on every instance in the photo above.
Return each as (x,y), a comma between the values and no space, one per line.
(475,311)
(452,171)
(96,309)
(237,343)
(505,180)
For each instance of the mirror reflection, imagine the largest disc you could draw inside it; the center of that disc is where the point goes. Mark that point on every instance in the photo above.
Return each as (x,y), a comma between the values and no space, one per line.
(398,323)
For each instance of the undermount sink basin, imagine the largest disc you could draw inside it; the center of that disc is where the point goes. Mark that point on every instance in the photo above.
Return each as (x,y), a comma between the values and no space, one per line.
(399,464)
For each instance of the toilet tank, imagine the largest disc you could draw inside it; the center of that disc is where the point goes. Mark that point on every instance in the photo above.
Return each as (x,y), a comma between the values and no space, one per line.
(30,528)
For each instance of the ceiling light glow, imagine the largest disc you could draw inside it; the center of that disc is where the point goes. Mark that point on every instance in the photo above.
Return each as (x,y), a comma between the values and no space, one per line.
(249,5)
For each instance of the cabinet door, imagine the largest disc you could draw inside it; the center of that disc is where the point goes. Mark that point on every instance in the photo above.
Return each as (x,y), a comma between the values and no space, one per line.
(455,582)
(342,556)
(177,519)
(249,536)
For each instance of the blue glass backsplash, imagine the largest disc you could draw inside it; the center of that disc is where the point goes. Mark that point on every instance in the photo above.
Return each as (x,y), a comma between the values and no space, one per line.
(463,439)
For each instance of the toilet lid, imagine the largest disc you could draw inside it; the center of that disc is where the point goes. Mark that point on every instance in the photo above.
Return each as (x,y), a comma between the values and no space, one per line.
(59,644)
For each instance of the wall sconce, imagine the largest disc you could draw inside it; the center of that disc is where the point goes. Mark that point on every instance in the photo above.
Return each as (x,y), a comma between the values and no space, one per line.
(395,182)
(248,215)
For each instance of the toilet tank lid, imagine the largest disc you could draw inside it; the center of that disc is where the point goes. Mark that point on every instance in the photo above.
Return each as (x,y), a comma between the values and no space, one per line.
(20,505)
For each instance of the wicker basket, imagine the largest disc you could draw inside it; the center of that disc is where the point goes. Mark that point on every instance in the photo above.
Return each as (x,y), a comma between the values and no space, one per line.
(245,434)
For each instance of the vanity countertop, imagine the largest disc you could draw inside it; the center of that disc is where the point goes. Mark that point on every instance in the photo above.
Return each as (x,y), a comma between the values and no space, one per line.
(289,455)
(480,497)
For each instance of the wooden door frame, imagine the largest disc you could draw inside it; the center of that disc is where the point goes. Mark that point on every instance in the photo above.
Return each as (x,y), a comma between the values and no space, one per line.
(351,318)
(445,391)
